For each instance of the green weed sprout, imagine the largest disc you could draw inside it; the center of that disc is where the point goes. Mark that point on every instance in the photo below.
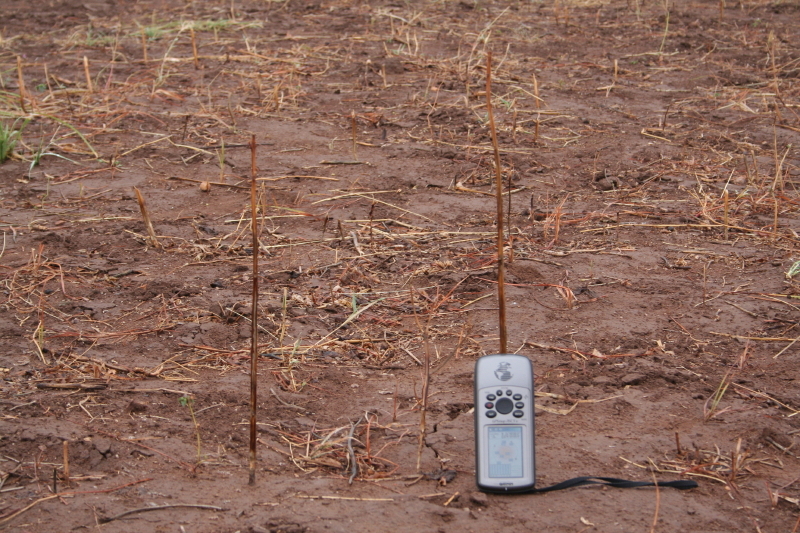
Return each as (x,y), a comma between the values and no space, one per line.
(187,401)
(40,152)
(794,270)
(9,136)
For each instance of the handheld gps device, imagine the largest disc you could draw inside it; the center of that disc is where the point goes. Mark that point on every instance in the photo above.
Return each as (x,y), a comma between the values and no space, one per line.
(504,424)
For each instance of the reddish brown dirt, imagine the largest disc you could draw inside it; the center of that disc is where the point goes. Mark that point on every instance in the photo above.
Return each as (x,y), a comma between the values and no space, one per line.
(661,329)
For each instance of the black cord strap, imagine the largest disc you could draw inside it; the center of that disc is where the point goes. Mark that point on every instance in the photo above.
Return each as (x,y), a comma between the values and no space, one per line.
(681,484)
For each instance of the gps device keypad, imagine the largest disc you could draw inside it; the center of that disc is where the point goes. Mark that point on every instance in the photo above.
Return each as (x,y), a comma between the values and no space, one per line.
(500,403)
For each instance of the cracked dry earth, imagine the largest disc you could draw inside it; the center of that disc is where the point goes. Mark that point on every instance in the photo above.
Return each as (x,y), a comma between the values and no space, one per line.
(650,153)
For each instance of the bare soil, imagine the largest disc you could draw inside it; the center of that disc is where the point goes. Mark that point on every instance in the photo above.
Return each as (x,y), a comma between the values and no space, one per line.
(651,158)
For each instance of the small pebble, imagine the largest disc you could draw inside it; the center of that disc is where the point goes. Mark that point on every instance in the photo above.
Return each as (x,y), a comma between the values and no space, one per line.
(479,498)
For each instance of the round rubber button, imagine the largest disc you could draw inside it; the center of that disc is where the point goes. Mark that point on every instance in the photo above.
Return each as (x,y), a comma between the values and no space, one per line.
(492,397)
(499,393)
(519,405)
(491,414)
(489,405)
(509,393)
(518,397)
(518,414)
(504,406)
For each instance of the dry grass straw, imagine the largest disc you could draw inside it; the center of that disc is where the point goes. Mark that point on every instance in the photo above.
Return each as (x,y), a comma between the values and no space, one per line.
(658,504)
(501,295)
(331,449)
(772,44)
(89,84)
(715,465)
(23,93)
(194,49)
(710,407)
(538,103)
(723,211)
(65,459)
(666,26)
(152,239)
(725,219)
(143,35)
(354,127)
(554,221)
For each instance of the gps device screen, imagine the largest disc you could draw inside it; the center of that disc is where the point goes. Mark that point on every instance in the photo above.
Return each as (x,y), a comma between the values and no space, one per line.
(505,451)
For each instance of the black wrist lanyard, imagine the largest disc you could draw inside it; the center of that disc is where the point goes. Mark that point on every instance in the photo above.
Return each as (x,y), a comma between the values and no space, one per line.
(681,484)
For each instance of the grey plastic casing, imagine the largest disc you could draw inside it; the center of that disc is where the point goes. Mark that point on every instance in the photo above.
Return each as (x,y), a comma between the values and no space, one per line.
(505,458)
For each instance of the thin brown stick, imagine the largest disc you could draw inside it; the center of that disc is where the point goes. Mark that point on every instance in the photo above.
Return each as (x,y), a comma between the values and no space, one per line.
(159,508)
(209,183)
(725,212)
(514,127)
(146,217)
(66,463)
(144,45)
(785,348)
(47,81)
(194,49)
(771,45)
(658,504)
(352,454)
(89,85)
(394,403)
(426,379)
(776,210)
(29,506)
(778,183)
(501,292)
(355,136)
(65,494)
(21,79)
(584,355)
(254,317)
(538,102)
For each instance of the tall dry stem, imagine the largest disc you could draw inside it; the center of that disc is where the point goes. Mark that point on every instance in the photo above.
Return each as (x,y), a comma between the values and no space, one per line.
(501,293)
(426,379)
(254,316)
(666,26)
